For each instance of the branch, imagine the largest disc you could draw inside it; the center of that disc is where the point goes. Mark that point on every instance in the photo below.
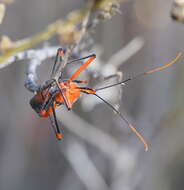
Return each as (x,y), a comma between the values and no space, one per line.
(69,50)
(60,26)
(91,178)
(93,135)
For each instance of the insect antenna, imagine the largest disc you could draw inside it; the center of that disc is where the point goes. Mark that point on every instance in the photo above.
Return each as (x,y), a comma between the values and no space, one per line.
(145,73)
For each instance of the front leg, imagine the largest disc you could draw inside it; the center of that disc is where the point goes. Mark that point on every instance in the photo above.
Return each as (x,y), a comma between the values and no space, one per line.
(46,106)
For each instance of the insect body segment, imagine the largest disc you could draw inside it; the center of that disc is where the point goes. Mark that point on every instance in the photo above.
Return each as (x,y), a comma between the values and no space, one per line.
(38,101)
(70,93)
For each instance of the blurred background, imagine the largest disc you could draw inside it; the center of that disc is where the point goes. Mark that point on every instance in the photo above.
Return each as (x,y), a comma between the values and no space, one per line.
(98,151)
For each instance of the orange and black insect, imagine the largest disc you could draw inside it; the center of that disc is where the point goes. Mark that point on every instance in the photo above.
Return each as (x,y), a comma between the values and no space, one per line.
(55,93)
(66,91)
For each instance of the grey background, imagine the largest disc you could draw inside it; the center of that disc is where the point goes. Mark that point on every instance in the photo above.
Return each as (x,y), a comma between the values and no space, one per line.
(30,157)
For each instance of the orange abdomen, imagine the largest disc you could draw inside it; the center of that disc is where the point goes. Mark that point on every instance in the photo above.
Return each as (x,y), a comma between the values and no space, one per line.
(70,91)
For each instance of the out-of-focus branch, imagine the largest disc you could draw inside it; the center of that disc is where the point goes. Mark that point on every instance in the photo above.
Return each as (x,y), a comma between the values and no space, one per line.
(2,11)
(101,4)
(111,67)
(177,10)
(60,26)
(90,177)
(82,33)
(39,54)
(27,43)
(128,51)
(88,132)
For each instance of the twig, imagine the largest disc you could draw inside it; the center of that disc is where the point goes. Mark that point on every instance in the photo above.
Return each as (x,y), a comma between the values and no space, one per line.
(177,10)
(101,70)
(40,54)
(126,52)
(88,132)
(84,167)
(59,26)
(82,33)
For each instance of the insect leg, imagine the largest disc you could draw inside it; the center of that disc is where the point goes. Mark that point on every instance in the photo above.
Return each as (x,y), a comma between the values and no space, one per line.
(134,130)
(48,84)
(83,67)
(57,131)
(58,60)
(46,87)
(47,103)
(62,94)
(80,59)
(80,81)
(55,126)
(64,97)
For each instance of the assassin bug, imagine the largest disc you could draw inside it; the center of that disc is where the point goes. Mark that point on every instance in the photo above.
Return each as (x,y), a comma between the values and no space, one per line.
(55,93)
(65,92)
